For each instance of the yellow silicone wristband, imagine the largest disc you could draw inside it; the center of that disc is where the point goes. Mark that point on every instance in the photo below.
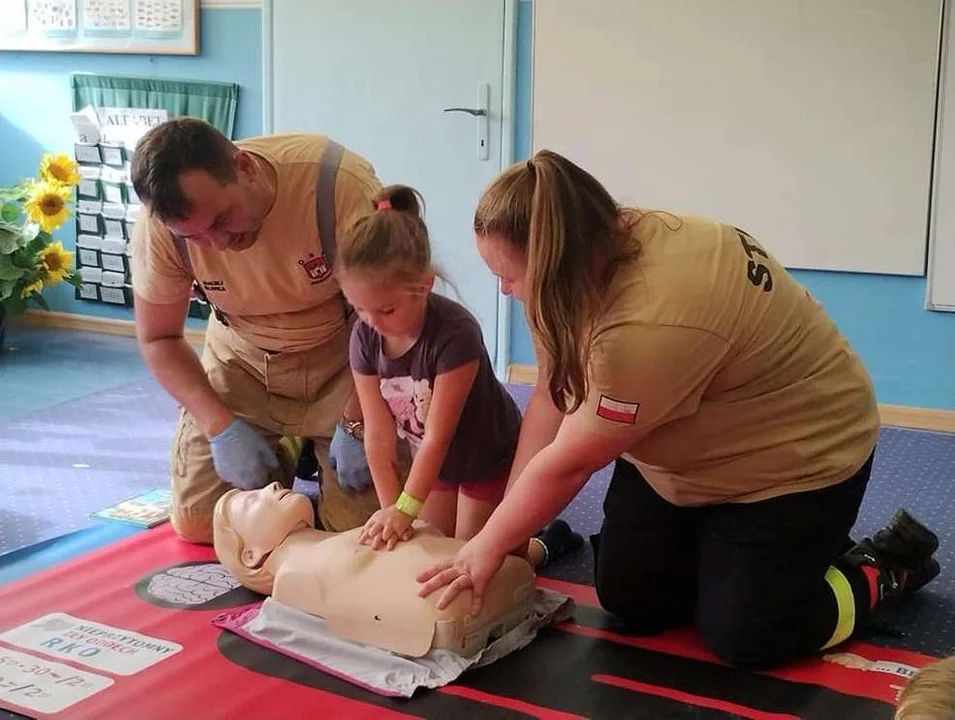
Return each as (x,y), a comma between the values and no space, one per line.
(408,505)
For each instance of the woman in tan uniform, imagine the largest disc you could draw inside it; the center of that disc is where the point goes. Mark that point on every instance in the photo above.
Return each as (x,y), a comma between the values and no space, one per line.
(742,424)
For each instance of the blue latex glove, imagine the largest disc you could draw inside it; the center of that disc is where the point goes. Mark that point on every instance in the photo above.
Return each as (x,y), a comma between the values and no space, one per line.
(242,457)
(347,457)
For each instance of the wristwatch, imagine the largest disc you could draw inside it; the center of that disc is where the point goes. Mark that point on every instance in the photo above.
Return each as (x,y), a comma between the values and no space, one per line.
(354,428)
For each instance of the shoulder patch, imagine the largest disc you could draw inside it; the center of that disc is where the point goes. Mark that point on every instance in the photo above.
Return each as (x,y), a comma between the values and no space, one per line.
(617,411)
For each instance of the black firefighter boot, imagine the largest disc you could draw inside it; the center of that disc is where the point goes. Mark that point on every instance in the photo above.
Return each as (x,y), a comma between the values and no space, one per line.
(902,554)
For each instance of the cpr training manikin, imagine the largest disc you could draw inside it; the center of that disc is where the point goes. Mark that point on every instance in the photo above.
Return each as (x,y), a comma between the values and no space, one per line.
(267,539)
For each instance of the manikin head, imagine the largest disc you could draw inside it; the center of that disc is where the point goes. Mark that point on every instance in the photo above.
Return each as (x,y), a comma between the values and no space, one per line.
(247,525)
(200,186)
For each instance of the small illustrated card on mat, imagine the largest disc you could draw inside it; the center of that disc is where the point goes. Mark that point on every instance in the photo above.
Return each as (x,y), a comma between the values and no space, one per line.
(97,646)
(145,511)
(44,686)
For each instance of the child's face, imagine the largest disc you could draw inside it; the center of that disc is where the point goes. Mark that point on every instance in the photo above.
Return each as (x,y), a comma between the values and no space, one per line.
(392,309)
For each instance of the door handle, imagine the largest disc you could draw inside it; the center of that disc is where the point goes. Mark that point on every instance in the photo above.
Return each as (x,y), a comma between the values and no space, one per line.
(479,113)
(476,112)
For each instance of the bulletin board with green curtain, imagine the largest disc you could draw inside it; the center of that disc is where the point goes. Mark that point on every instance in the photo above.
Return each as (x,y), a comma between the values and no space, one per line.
(117,109)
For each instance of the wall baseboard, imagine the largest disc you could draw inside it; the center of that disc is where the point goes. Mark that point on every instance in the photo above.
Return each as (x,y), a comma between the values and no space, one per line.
(522,374)
(918,418)
(90,323)
(902,416)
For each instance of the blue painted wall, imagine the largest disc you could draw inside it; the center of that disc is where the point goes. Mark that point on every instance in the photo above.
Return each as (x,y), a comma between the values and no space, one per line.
(35,100)
(909,350)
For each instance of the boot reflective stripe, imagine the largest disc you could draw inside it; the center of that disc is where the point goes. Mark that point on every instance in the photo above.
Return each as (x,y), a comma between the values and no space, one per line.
(845,605)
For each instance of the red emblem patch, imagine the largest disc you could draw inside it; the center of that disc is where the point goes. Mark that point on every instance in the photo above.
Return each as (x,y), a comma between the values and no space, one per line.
(316,267)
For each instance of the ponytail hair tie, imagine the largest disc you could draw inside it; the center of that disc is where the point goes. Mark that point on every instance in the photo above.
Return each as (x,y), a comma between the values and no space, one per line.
(384,204)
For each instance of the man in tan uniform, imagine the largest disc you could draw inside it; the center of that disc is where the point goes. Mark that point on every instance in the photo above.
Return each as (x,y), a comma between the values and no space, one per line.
(253,224)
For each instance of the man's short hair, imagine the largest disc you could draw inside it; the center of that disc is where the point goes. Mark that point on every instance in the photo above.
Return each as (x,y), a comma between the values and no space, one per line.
(170,149)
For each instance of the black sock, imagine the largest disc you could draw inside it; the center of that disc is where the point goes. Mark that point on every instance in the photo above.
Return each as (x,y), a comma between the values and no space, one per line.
(307,462)
(559,540)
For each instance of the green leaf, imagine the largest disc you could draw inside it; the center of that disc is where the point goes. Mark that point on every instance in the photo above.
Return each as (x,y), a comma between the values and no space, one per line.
(9,239)
(15,193)
(39,242)
(10,211)
(9,271)
(6,289)
(40,300)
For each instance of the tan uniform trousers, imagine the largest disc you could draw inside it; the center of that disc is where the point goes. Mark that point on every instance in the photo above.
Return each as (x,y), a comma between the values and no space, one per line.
(283,394)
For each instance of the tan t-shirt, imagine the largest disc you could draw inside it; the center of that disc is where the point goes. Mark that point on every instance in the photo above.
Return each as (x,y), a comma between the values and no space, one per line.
(730,377)
(278,294)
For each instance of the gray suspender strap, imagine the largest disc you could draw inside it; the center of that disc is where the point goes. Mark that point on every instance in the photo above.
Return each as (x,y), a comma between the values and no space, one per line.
(325,198)
(325,206)
(200,293)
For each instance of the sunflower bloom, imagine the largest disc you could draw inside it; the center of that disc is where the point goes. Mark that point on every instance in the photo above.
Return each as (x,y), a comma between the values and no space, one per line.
(34,288)
(46,204)
(61,169)
(56,262)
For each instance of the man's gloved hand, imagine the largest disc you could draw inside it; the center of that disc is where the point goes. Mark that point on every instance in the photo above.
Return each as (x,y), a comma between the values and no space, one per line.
(242,457)
(346,455)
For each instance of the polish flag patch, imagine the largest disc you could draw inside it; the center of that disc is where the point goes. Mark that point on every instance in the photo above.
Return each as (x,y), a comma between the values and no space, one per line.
(617,411)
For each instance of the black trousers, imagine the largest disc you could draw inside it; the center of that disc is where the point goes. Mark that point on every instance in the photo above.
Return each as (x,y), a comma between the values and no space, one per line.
(751,576)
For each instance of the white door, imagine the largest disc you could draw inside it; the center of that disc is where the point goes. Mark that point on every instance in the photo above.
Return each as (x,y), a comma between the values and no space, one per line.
(378,76)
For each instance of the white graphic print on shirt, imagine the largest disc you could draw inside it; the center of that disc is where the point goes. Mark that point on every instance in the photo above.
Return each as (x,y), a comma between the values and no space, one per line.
(409,400)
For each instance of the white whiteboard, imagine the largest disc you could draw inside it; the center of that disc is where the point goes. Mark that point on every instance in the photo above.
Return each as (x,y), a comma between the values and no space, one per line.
(941,269)
(807,122)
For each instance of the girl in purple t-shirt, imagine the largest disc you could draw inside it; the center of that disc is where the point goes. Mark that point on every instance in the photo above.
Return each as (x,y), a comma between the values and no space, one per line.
(422,373)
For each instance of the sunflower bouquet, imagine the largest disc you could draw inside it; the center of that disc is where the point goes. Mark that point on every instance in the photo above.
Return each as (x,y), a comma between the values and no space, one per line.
(30,212)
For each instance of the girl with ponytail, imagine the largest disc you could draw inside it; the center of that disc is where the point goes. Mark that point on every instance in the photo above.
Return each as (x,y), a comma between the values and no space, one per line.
(422,373)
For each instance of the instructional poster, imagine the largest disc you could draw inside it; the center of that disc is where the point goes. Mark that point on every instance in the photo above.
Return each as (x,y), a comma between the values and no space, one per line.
(54,17)
(108,16)
(159,16)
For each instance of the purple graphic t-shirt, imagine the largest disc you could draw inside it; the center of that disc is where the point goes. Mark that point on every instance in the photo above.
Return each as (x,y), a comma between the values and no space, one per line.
(486,437)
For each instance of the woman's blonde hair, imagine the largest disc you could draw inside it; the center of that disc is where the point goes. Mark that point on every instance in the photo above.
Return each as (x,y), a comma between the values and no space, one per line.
(930,693)
(229,546)
(574,237)
(391,240)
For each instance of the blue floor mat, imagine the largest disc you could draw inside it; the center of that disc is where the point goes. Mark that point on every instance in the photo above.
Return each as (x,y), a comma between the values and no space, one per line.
(61,463)
(40,368)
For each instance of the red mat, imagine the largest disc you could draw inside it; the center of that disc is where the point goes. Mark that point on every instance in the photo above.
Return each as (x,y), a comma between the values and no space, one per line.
(126,632)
